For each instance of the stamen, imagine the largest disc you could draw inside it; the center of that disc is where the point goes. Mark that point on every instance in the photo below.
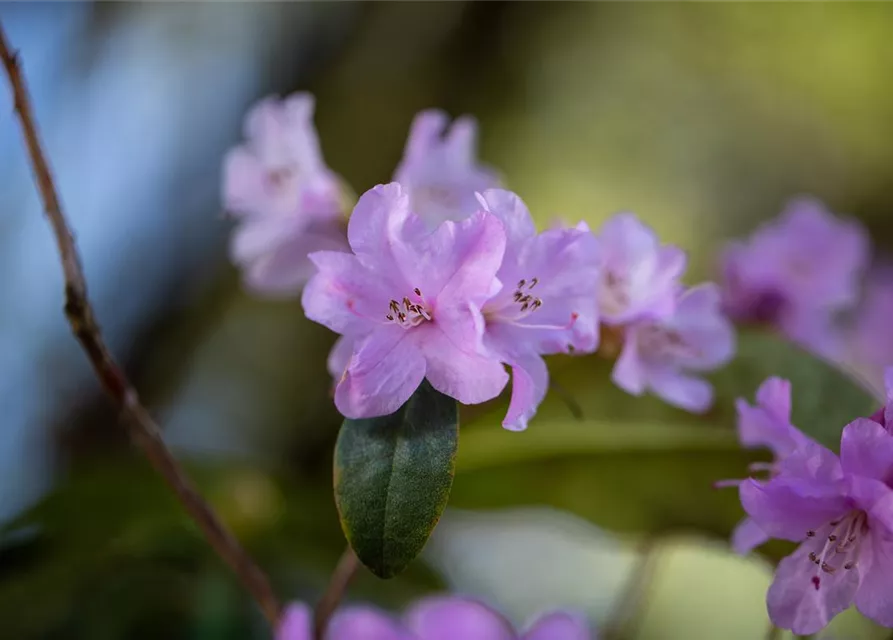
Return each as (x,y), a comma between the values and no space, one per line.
(521,283)
(811,534)
(417,291)
(533,283)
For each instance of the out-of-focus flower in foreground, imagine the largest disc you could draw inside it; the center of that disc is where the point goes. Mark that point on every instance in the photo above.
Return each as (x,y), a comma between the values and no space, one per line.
(408,301)
(660,354)
(795,272)
(434,618)
(286,200)
(546,304)
(439,169)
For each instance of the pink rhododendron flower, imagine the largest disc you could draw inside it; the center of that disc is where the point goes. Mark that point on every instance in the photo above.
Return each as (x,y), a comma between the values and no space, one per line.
(884,415)
(768,424)
(547,302)
(795,271)
(408,302)
(841,511)
(439,169)
(657,353)
(639,277)
(286,200)
(435,618)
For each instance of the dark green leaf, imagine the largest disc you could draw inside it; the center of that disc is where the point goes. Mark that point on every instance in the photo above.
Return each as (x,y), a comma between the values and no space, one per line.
(637,464)
(392,479)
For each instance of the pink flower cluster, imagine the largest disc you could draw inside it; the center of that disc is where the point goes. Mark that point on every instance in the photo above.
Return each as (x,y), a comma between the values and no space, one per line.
(442,275)
(434,618)
(839,508)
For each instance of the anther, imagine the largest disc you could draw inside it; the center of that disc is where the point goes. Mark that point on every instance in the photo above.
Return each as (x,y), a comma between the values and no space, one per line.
(521,283)
(518,295)
(810,534)
(417,291)
(827,568)
(813,557)
(390,317)
(849,565)
(533,283)
(832,538)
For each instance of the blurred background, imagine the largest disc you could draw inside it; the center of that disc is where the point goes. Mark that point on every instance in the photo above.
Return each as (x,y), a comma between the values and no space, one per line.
(702,118)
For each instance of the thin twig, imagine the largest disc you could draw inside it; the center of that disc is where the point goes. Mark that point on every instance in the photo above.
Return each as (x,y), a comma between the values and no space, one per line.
(143,429)
(773,632)
(341,578)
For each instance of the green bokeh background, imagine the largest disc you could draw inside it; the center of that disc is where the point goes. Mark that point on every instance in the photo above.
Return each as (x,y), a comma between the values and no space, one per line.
(702,118)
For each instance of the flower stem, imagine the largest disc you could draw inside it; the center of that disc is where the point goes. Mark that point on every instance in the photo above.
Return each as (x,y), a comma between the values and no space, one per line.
(344,573)
(143,429)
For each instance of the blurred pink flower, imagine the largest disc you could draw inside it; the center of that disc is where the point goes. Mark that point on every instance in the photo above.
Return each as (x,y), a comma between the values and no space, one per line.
(434,618)
(286,200)
(657,354)
(439,169)
(639,277)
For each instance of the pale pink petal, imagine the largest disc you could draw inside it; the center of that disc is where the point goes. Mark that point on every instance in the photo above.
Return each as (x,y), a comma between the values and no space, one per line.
(774,396)
(888,408)
(559,626)
(468,377)
(283,270)
(513,213)
(340,355)
(686,392)
(530,381)
(445,618)
(789,507)
(803,598)
(629,371)
(244,183)
(375,227)
(747,536)
(344,296)
(366,623)
(874,599)
(386,368)
(296,623)
(866,449)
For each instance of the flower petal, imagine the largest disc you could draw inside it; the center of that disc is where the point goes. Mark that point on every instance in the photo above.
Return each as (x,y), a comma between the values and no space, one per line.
(468,377)
(768,423)
(340,355)
(296,623)
(343,295)
(788,507)
(803,598)
(680,390)
(866,449)
(287,266)
(366,623)
(559,626)
(386,368)
(376,225)
(630,373)
(530,381)
(874,598)
(443,618)
(513,213)
(747,536)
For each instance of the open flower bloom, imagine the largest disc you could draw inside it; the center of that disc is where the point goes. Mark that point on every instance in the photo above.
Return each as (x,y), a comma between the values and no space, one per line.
(408,303)
(439,169)
(547,302)
(767,424)
(795,271)
(657,353)
(841,511)
(639,277)
(435,618)
(287,201)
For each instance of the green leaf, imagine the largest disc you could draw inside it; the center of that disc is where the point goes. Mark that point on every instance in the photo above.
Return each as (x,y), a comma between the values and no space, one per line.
(393,476)
(636,464)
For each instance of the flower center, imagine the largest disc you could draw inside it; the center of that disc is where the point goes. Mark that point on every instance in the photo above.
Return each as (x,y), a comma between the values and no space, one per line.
(840,548)
(410,313)
(613,295)
(523,302)
(664,343)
